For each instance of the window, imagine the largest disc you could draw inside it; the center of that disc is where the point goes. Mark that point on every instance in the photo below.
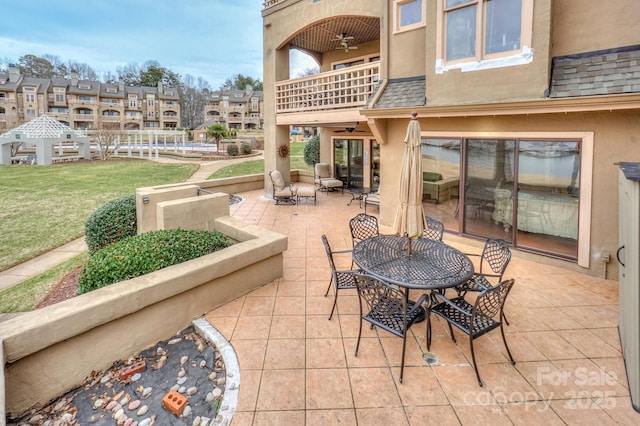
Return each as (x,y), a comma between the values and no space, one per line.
(86,98)
(409,14)
(531,189)
(59,97)
(84,86)
(479,29)
(29,97)
(31,113)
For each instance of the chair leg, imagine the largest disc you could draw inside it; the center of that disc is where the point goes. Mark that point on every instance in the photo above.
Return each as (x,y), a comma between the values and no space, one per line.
(451,331)
(504,340)
(359,334)
(428,331)
(504,318)
(473,358)
(404,348)
(330,282)
(335,300)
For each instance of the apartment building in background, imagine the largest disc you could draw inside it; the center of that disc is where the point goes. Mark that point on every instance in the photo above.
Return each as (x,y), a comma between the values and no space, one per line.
(525,107)
(236,109)
(86,104)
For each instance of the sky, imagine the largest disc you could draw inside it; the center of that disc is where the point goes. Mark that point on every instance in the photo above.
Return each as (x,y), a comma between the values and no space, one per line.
(212,39)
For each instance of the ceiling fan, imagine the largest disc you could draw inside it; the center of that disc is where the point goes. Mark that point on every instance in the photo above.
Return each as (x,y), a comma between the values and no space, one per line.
(344,40)
(349,130)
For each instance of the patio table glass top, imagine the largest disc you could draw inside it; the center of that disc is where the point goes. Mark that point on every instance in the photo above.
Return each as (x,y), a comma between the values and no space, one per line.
(430,265)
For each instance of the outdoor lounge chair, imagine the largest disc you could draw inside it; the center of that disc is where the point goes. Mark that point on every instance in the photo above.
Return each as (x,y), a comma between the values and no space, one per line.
(474,320)
(322,177)
(283,193)
(371,199)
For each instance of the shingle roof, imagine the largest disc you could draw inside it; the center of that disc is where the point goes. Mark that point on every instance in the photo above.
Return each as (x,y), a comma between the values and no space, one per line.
(596,73)
(403,93)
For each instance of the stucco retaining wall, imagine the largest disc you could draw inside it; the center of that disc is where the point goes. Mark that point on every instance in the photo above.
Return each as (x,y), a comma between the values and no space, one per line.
(49,351)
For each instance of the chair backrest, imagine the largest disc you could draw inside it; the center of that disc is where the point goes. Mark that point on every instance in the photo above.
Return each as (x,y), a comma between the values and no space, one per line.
(327,248)
(322,171)
(491,301)
(363,226)
(434,229)
(277,180)
(496,254)
(387,299)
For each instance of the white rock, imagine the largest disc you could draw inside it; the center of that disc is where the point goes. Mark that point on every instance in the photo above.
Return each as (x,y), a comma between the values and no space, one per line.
(203,363)
(183,360)
(181,380)
(192,390)
(98,403)
(209,397)
(216,392)
(146,391)
(136,377)
(174,341)
(196,421)
(187,411)
(142,410)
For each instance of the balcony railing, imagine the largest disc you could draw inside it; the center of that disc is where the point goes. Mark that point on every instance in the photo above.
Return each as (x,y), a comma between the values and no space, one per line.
(346,88)
(84,117)
(268,3)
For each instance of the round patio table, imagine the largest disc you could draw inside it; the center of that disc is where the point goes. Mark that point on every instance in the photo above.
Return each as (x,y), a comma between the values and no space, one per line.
(430,265)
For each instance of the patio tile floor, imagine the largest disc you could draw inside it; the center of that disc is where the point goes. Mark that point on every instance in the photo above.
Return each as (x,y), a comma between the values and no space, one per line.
(298,367)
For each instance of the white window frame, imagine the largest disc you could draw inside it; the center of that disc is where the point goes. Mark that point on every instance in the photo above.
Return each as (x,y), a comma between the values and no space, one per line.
(521,56)
(397,16)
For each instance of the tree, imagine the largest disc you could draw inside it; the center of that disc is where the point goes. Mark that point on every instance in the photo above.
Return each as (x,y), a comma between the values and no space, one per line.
(34,66)
(84,71)
(308,72)
(218,132)
(59,68)
(193,96)
(240,82)
(129,74)
(107,140)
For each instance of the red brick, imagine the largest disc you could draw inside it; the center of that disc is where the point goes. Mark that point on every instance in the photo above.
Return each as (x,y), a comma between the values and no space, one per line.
(129,371)
(174,402)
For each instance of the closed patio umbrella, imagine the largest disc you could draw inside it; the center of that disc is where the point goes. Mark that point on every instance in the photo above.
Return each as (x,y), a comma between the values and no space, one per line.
(410,219)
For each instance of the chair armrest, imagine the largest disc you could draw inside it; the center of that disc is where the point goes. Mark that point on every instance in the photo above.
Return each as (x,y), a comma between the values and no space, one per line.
(342,251)
(450,303)
(418,303)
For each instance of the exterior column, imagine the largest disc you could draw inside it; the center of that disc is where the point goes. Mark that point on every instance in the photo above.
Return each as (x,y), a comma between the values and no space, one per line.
(276,68)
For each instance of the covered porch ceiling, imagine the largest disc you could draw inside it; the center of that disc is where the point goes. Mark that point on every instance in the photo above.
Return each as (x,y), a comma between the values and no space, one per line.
(322,36)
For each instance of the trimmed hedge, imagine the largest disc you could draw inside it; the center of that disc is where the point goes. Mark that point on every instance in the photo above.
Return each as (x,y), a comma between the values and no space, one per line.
(141,254)
(245,148)
(232,150)
(111,222)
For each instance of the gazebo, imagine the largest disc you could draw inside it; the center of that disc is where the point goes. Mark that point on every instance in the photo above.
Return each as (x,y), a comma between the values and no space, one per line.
(44,132)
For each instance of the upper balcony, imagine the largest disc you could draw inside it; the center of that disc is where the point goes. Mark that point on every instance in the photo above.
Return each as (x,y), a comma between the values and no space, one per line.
(347,88)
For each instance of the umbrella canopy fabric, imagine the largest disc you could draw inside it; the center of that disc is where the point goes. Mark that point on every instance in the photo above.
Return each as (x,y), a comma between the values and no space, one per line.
(410,219)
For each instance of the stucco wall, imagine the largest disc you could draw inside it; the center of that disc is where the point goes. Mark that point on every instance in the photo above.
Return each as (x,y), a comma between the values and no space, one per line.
(585,26)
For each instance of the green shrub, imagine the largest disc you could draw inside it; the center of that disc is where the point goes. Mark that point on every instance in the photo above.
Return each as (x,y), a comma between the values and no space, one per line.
(232,150)
(141,254)
(111,222)
(312,151)
(245,148)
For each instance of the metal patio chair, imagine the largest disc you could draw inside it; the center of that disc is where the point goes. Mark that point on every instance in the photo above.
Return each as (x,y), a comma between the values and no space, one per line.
(341,279)
(387,308)
(434,229)
(493,262)
(474,320)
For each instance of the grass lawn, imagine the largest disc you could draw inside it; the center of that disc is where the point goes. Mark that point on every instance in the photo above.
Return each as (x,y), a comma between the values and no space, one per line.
(257,166)
(43,207)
